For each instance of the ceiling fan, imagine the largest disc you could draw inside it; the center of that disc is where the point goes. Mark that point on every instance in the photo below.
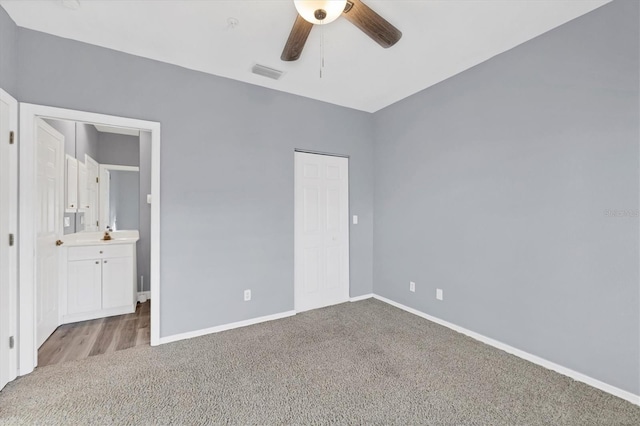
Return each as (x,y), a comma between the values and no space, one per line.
(320,12)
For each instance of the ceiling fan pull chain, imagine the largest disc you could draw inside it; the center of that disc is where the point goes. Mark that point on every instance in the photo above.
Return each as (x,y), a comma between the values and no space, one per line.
(321,49)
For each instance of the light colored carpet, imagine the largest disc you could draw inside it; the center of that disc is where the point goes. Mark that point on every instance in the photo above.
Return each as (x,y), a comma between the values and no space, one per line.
(355,363)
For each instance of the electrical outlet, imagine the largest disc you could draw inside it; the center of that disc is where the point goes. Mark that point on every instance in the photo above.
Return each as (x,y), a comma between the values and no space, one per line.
(412,286)
(247,295)
(67,222)
(355,219)
(439,295)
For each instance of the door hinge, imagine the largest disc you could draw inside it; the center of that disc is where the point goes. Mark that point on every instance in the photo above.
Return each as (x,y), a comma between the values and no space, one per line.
(97,223)
(97,179)
(12,137)
(11,342)
(11,240)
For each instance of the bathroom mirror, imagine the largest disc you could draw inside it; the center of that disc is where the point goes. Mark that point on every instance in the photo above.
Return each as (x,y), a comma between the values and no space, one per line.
(119,195)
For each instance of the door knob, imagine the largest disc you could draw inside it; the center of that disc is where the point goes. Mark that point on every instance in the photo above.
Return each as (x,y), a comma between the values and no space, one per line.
(59,242)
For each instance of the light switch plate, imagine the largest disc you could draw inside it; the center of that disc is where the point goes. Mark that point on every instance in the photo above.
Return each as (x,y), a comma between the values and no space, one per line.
(439,295)
(355,219)
(67,222)
(148,198)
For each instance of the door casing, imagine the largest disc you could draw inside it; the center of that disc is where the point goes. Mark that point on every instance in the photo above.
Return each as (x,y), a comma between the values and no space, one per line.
(26,340)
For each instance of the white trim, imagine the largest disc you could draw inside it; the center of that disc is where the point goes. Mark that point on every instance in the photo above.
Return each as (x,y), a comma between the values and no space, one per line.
(28,113)
(119,167)
(359,298)
(634,399)
(224,327)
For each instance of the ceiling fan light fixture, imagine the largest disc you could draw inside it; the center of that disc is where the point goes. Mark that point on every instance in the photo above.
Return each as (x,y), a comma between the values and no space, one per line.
(320,11)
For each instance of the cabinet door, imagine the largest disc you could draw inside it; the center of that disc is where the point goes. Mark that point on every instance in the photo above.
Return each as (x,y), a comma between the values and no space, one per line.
(71,190)
(117,282)
(84,286)
(83,202)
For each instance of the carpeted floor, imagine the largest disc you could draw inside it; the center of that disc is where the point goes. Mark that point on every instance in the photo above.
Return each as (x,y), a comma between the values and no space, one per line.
(355,363)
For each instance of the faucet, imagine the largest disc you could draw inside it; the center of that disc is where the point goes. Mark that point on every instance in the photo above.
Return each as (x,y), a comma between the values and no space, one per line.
(107,237)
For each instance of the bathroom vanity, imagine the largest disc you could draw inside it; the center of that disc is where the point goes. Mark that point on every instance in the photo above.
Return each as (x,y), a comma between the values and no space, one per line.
(98,277)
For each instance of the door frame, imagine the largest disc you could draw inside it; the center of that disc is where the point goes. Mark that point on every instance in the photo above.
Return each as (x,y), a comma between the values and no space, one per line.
(26,339)
(295,236)
(11,177)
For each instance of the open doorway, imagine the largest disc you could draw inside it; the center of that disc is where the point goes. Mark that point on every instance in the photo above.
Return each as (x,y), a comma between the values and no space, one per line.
(106,181)
(84,292)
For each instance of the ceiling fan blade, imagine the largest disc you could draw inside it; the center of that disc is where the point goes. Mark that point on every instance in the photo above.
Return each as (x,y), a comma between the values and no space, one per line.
(297,38)
(372,24)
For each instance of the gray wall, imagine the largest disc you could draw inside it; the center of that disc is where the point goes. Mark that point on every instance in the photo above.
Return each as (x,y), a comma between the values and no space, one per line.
(123,150)
(144,228)
(68,130)
(493,186)
(226,172)
(86,141)
(8,54)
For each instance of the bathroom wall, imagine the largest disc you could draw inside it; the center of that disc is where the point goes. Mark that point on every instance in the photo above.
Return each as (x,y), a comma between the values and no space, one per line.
(123,150)
(144,209)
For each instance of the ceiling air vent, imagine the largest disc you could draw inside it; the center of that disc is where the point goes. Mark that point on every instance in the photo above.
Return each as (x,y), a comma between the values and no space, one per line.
(267,72)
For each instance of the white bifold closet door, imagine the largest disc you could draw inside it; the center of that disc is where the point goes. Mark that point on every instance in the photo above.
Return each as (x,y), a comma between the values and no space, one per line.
(321,230)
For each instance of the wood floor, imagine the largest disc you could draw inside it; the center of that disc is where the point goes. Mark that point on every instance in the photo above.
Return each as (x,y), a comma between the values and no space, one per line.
(95,337)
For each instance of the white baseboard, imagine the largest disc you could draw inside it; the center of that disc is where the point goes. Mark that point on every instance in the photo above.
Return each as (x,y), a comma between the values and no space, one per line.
(225,327)
(634,399)
(359,298)
(143,296)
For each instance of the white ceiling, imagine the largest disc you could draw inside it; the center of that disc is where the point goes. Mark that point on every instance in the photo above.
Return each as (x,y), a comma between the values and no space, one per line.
(440,38)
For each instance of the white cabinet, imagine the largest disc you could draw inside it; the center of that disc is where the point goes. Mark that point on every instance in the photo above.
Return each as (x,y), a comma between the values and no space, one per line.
(83,198)
(91,211)
(84,286)
(100,281)
(71,185)
(115,273)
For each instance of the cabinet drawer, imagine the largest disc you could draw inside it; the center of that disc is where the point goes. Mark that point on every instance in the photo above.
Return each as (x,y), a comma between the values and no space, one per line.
(100,252)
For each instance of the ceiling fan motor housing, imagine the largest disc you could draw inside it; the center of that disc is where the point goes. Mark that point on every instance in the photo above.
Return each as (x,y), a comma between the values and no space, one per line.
(320,14)
(320,11)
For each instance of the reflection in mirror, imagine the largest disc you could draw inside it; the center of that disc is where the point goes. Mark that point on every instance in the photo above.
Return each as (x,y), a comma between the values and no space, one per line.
(119,197)
(89,145)
(121,210)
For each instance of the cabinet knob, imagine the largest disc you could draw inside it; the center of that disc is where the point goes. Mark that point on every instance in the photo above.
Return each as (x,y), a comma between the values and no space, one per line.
(97,262)
(105,261)
(100,251)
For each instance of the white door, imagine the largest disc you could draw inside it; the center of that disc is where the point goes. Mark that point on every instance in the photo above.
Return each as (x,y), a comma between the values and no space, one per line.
(49,207)
(91,212)
(8,226)
(321,231)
